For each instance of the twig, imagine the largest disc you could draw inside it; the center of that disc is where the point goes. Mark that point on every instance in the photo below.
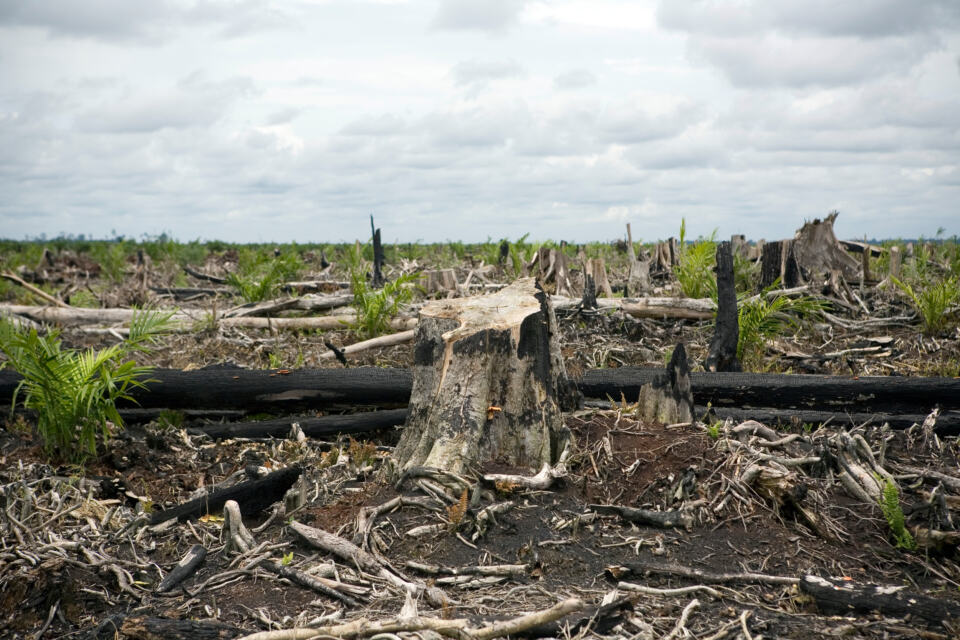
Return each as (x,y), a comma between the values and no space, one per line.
(681,625)
(34,290)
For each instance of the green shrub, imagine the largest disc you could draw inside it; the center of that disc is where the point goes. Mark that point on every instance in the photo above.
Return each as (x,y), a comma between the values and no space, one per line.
(933,301)
(74,393)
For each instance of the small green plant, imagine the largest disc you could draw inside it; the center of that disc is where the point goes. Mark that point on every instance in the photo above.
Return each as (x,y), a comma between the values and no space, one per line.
(258,277)
(375,308)
(714,430)
(890,505)
(275,361)
(287,559)
(75,392)
(170,419)
(933,301)
(761,318)
(694,269)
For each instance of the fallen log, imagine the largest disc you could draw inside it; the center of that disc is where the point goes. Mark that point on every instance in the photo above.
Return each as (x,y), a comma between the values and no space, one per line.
(253,496)
(844,596)
(147,628)
(309,302)
(180,321)
(265,390)
(684,308)
(880,394)
(313,427)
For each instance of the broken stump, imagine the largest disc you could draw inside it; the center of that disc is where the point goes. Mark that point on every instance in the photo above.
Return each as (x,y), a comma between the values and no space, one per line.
(488,383)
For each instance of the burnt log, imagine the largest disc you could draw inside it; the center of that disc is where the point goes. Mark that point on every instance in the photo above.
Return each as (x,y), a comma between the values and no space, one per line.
(884,394)
(488,383)
(253,496)
(723,347)
(314,427)
(147,628)
(184,569)
(307,389)
(844,596)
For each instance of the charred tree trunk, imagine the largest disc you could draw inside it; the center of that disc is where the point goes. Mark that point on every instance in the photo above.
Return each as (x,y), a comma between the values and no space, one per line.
(378,257)
(726,334)
(488,383)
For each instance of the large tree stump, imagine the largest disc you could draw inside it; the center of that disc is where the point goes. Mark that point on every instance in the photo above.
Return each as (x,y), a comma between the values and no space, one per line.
(488,383)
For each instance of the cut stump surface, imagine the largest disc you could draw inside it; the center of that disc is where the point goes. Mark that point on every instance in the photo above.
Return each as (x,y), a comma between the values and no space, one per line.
(488,383)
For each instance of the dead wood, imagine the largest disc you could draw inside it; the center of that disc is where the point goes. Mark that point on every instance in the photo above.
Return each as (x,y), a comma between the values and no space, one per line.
(378,258)
(688,308)
(77,316)
(439,281)
(845,595)
(488,382)
(638,277)
(722,355)
(253,496)
(668,397)
(641,568)
(150,628)
(309,302)
(34,290)
(648,517)
(459,628)
(184,569)
(308,581)
(553,271)
(199,275)
(540,482)
(320,539)
(313,427)
(596,268)
(373,343)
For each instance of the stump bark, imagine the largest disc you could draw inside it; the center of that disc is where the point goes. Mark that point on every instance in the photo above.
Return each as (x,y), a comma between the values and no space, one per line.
(488,383)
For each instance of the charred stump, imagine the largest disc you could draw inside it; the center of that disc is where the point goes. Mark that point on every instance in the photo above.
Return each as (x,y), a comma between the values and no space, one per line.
(378,258)
(723,347)
(488,383)
(669,398)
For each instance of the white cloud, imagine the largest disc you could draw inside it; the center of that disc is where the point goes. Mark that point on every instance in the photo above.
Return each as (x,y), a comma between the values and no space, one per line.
(140,22)
(475,75)
(489,15)
(574,118)
(574,79)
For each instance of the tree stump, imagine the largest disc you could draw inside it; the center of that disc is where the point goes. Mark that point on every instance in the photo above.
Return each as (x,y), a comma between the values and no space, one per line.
(726,335)
(488,383)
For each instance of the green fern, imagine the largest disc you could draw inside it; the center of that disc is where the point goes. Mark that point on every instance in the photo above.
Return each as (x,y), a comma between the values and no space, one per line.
(74,393)
(760,319)
(890,505)
(695,265)
(933,301)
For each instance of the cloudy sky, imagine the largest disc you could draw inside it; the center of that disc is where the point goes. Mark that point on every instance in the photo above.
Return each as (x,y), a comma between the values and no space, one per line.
(249,120)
